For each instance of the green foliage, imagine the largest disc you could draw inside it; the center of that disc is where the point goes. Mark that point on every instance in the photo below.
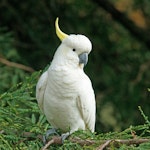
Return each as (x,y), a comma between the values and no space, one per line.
(19,113)
(9,76)
(22,123)
(144,116)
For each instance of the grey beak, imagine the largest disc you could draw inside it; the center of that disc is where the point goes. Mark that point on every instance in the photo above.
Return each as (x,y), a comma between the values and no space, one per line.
(83,58)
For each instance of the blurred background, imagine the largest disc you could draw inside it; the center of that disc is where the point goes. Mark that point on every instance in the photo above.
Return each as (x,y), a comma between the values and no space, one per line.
(119,65)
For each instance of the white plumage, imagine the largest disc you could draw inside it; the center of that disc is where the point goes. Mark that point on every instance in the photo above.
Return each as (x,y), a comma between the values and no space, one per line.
(64,92)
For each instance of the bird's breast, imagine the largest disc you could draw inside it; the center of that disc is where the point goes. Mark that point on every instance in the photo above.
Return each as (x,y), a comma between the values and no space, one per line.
(63,83)
(60,105)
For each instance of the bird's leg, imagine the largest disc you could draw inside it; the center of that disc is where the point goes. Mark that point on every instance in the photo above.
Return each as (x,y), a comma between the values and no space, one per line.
(64,136)
(52,131)
(48,133)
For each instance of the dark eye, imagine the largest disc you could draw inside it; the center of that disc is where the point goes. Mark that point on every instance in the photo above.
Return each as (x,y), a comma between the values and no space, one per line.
(74,49)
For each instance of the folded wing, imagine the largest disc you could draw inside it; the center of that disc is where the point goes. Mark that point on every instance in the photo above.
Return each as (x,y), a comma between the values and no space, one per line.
(40,89)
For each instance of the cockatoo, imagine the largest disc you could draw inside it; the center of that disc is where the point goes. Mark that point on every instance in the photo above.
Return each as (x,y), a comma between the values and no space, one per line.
(64,92)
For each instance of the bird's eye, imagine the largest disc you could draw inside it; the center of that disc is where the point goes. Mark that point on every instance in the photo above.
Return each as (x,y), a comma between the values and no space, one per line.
(74,49)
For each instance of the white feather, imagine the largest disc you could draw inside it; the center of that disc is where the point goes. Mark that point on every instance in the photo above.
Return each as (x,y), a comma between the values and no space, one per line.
(40,89)
(64,92)
(86,104)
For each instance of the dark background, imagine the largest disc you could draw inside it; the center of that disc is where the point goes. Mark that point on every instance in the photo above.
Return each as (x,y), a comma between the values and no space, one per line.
(119,65)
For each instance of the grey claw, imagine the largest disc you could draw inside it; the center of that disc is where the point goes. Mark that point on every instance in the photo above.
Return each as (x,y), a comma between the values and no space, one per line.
(64,136)
(48,133)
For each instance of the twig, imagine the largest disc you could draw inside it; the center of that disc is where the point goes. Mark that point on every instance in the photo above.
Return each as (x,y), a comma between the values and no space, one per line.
(48,144)
(82,142)
(54,140)
(127,142)
(143,68)
(16,65)
(132,141)
(102,146)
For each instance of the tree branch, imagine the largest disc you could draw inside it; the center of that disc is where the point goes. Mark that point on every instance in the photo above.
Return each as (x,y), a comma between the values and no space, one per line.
(139,33)
(54,140)
(102,146)
(105,143)
(16,65)
(87,142)
(120,141)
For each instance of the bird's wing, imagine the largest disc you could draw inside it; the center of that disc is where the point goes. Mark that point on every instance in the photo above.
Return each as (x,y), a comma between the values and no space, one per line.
(86,105)
(40,89)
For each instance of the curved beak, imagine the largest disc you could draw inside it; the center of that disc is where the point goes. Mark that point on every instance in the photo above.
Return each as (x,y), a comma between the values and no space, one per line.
(83,58)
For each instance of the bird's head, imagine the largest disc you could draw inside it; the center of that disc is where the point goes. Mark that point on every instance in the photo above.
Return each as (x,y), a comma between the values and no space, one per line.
(75,48)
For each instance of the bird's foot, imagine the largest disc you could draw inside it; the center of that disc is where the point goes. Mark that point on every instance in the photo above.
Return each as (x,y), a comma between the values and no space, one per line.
(48,133)
(64,136)
(53,131)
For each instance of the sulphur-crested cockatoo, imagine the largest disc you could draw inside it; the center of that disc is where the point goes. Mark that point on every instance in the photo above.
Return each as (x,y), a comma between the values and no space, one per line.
(64,92)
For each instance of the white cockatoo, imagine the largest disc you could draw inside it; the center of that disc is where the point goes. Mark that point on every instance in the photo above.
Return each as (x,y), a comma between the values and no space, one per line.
(64,92)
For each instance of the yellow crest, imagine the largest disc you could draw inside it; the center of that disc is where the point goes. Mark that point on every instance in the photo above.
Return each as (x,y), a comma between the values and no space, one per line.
(59,33)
